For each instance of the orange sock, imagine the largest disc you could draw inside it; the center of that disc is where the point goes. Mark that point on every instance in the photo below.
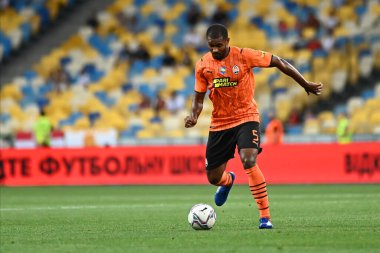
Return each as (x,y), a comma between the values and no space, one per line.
(258,188)
(226,179)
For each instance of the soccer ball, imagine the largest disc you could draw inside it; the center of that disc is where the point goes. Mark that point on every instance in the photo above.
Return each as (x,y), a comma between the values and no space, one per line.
(202,217)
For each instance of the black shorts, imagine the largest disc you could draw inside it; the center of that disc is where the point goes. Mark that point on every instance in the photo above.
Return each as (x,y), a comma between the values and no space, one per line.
(221,145)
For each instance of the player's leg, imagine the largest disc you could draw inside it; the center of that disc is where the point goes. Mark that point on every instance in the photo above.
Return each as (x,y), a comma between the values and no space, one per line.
(220,148)
(249,148)
(218,176)
(224,180)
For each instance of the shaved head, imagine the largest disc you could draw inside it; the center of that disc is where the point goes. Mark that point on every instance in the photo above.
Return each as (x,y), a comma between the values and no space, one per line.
(216,31)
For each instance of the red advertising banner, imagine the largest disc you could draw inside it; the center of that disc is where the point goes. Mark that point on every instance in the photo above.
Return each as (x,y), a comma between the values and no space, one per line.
(283,164)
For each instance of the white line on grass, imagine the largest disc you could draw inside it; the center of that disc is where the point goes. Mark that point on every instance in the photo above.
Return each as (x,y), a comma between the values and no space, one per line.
(74,207)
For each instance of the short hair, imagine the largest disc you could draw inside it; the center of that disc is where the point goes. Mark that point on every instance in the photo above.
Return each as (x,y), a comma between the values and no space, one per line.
(216,31)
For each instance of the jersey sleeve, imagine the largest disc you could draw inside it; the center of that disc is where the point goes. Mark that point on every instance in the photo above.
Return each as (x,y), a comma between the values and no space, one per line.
(200,80)
(257,58)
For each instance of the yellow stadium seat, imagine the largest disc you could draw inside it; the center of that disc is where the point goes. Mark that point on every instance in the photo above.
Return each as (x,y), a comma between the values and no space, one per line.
(10,91)
(53,7)
(341,31)
(326,115)
(311,126)
(115,123)
(313,3)
(16,112)
(35,22)
(263,7)
(359,122)
(146,114)
(92,105)
(372,104)
(9,20)
(150,73)
(346,12)
(146,134)
(290,20)
(177,133)
(308,33)
(82,123)
(327,122)
(375,10)
(175,82)
(147,9)
(174,12)
(374,119)
(170,30)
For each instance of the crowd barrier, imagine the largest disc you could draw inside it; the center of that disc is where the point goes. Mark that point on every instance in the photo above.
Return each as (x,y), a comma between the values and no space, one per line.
(282,164)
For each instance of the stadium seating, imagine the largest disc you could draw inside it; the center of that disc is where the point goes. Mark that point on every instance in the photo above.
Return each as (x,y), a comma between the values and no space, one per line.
(21,19)
(105,85)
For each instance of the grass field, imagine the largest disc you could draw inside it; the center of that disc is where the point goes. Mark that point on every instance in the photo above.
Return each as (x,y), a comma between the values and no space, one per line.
(322,218)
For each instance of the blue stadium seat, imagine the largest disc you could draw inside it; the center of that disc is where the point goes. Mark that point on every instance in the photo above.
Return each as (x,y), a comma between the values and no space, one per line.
(368,93)
(93,116)
(340,109)
(147,90)
(133,107)
(103,97)
(30,75)
(4,117)
(139,3)
(26,30)
(233,14)
(96,75)
(101,44)
(296,130)
(131,131)
(156,62)
(27,91)
(42,101)
(137,68)
(7,45)
(126,87)
(66,122)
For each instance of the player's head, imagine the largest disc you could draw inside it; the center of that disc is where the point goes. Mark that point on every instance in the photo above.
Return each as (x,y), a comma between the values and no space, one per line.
(218,41)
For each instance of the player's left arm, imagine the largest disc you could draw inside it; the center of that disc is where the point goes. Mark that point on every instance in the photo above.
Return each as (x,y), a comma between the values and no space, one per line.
(290,70)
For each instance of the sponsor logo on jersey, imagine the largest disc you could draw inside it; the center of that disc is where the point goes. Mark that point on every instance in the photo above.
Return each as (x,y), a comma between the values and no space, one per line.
(224,82)
(235,69)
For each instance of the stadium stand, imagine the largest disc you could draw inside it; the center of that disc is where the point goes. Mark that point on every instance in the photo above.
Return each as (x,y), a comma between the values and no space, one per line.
(20,20)
(107,76)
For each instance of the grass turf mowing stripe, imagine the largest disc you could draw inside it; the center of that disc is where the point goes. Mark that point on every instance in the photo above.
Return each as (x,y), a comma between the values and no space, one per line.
(307,218)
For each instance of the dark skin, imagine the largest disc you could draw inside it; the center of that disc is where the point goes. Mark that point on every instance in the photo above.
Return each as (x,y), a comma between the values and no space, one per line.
(219,48)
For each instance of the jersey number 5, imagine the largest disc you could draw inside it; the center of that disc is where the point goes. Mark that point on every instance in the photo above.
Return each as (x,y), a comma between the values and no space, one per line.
(255,137)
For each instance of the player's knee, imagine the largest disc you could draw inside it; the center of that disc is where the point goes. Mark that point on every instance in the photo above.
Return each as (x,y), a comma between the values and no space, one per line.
(249,163)
(248,158)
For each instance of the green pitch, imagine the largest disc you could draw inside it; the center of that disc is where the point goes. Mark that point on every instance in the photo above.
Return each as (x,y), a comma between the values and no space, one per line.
(322,218)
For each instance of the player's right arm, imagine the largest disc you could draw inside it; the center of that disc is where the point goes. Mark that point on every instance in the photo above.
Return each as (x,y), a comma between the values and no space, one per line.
(196,109)
(199,96)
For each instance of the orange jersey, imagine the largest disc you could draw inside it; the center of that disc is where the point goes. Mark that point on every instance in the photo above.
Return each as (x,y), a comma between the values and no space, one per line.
(232,85)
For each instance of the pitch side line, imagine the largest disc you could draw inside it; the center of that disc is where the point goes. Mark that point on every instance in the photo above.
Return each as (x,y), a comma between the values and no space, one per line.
(48,208)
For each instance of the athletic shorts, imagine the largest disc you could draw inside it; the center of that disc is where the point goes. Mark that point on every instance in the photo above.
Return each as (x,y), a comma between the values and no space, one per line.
(221,145)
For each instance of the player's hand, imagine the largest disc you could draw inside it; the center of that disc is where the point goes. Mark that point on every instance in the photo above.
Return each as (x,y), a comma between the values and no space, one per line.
(190,121)
(314,88)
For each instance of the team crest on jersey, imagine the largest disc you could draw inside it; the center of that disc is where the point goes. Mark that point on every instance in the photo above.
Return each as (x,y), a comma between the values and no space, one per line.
(222,70)
(235,69)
